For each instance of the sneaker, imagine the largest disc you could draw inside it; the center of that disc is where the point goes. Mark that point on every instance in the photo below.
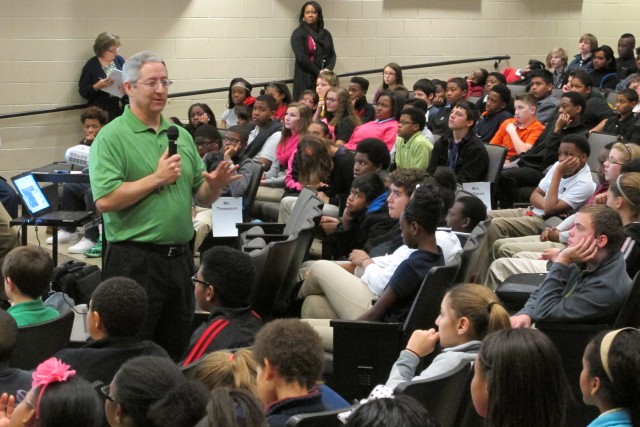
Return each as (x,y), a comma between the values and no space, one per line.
(95,251)
(83,245)
(63,237)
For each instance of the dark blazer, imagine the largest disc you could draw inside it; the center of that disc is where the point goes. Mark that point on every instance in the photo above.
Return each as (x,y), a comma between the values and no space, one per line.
(91,73)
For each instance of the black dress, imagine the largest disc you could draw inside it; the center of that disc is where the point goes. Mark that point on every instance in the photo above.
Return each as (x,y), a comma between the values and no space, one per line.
(306,71)
(91,73)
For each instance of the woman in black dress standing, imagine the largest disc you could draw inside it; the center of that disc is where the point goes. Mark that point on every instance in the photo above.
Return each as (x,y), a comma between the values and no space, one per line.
(95,72)
(313,48)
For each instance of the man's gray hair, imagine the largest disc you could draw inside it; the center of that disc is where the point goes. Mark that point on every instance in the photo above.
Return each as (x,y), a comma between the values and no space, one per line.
(131,68)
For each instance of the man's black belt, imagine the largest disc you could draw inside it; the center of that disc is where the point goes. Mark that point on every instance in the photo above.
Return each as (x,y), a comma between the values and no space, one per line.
(169,251)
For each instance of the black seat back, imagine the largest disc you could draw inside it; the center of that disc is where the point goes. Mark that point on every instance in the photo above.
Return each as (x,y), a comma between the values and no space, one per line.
(36,343)
(445,396)
(250,193)
(426,305)
(317,419)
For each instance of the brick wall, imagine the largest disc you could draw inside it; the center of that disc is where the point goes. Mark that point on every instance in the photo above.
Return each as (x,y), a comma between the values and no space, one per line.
(44,44)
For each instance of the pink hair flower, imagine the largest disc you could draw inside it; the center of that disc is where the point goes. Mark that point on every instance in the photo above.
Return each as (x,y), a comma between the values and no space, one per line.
(51,371)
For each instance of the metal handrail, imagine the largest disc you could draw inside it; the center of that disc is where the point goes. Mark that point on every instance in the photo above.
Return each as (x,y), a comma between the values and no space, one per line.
(497,60)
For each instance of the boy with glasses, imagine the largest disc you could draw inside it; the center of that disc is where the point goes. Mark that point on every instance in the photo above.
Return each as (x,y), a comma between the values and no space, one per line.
(413,149)
(223,288)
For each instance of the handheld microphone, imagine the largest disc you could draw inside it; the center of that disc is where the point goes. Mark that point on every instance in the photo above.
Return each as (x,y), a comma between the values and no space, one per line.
(172,134)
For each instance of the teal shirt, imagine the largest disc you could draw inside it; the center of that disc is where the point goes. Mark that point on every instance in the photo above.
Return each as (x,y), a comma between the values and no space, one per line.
(414,153)
(32,312)
(127,150)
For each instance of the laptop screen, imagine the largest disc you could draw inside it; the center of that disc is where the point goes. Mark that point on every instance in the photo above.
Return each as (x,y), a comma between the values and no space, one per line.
(31,194)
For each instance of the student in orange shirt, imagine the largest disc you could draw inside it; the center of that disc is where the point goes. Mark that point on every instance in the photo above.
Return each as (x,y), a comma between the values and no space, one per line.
(519,133)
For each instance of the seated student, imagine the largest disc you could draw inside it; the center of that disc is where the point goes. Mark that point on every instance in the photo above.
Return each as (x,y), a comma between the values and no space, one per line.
(610,377)
(310,166)
(418,222)
(208,140)
(626,62)
(522,76)
(290,362)
(365,217)
(587,45)
(56,396)
(623,121)
(117,309)
(335,190)
(498,98)
(412,148)
(358,87)
(596,109)
(223,289)
(521,132)
(541,87)
(388,251)
(604,74)
(456,91)
(565,187)
(235,145)
(239,94)
(321,165)
(280,92)
(540,396)
(421,105)
(476,81)
(243,114)
(528,256)
(11,380)
(591,296)
(468,313)
(493,78)
(199,114)
(77,196)
(385,127)
(310,98)
(371,155)
(152,391)
(466,213)
(424,89)
(27,271)
(527,168)
(557,64)
(340,114)
(461,150)
(264,137)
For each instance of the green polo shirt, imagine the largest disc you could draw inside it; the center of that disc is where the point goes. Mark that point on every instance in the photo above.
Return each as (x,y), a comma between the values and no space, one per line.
(32,312)
(127,150)
(414,153)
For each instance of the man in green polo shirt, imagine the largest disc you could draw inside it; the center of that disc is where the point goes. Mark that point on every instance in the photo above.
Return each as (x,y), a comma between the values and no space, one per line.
(27,272)
(146,198)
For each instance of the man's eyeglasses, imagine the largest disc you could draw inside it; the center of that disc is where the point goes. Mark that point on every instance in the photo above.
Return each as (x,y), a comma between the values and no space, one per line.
(197,282)
(152,84)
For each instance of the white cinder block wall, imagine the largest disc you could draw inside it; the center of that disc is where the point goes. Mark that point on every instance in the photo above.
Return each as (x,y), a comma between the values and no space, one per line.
(44,44)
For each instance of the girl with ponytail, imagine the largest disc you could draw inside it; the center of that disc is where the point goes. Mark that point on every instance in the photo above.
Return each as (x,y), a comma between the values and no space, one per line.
(467,314)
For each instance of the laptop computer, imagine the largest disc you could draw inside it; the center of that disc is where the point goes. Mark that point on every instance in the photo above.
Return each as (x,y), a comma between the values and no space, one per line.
(39,206)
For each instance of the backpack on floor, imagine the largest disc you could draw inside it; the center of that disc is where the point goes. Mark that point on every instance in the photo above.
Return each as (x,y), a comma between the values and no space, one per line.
(76,279)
